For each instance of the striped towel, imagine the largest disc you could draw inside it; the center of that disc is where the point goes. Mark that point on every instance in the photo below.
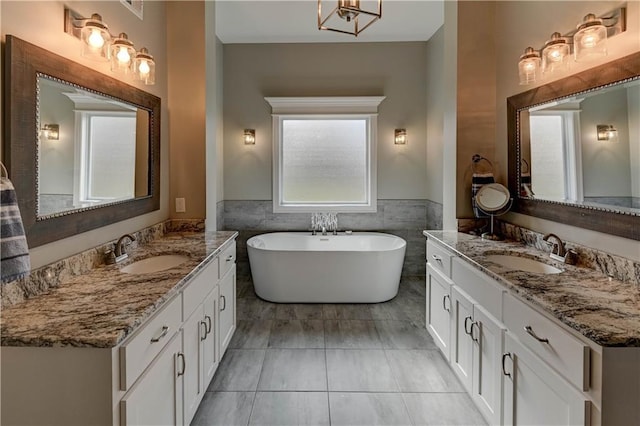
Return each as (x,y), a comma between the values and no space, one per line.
(477,181)
(14,252)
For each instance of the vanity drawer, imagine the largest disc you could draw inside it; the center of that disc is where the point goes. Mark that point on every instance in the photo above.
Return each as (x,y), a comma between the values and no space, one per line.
(196,291)
(139,350)
(227,259)
(566,354)
(439,258)
(484,290)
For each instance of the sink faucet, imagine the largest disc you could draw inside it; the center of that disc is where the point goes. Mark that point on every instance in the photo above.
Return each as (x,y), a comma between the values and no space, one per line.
(120,248)
(324,230)
(559,251)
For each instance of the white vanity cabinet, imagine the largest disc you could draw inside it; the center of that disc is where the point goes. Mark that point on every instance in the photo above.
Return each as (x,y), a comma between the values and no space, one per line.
(438,309)
(156,398)
(157,376)
(534,394)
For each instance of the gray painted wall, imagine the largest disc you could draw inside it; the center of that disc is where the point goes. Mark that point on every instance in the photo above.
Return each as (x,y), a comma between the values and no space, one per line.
(395,70)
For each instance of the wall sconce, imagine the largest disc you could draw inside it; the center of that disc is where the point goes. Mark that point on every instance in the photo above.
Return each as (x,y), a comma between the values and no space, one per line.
(348,11)
(51,131)
(606,132)
(401,137)
(589,42)
(99,44)
(249,136)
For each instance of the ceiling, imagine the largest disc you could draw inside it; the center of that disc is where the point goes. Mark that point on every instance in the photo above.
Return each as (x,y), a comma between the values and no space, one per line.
(296,21)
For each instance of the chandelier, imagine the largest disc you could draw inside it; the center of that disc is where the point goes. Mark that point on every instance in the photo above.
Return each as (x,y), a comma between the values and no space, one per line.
(348,17)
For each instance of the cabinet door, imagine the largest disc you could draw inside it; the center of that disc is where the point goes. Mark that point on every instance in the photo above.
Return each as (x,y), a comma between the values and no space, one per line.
(210,357)
(227,309)
(194,331)
(439,309)
(156,398)
(461,342)
(488,342)
(534,394)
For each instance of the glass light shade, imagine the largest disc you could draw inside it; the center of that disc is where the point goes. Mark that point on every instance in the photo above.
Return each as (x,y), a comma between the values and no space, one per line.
(249,137)
(590,42)
(606,132)
(122,55)
(95,39)
(529,66)
(144,67)
(401,137)
(555,54)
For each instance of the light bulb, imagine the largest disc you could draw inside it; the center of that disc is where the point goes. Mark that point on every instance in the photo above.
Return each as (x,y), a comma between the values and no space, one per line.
(589,40)
(95,39)
(123,55)
(144,68)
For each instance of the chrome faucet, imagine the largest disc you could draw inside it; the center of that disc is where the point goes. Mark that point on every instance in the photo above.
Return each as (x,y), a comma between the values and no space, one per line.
(120,248)
(324,230)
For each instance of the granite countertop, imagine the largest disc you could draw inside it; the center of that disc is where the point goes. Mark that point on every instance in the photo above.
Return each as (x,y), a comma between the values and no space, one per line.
(101,308)
(603,309)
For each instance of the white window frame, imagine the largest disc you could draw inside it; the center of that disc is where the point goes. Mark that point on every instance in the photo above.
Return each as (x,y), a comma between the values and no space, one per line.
(330,108)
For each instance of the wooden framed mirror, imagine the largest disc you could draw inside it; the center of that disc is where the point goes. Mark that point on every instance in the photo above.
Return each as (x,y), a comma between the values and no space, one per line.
(82,148)
(559,169)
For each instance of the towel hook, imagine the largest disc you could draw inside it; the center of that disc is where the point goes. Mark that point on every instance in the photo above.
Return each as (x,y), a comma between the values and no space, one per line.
(5,173)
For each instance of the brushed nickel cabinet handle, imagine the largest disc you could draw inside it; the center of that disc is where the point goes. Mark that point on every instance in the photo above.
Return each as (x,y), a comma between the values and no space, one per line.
(475,338)
(444,305)
(229,259)
(224,303)
(529,330)
(437,258)
(165,330)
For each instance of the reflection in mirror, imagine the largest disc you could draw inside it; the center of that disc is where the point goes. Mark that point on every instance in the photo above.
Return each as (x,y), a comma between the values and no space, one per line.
(563,159)
(101,154)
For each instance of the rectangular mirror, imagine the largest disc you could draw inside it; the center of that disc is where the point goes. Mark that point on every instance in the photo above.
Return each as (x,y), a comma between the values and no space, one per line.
(82,148)
(574,149)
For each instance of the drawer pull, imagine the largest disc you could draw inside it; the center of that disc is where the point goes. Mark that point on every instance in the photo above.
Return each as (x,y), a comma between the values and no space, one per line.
(203,336)
(437,258)
(229,259)
(444,304)
(466,328)
(224,303)
(529,330)
(184,364)
(165,330)
(504,357)
(208,319)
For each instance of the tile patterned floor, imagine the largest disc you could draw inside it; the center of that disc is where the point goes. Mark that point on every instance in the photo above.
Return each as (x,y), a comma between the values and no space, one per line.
(334,364)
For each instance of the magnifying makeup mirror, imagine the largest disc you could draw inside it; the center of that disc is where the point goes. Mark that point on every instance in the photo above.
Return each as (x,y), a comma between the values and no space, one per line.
(493,199)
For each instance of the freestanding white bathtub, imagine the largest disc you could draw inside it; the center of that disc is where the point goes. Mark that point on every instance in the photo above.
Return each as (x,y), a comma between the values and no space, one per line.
(297,267)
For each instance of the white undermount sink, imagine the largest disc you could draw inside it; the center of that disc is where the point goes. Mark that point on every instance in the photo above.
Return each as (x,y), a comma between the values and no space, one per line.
(522,264)
(154,264)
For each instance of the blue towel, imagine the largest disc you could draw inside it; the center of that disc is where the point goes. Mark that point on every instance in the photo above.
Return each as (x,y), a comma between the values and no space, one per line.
(14,252)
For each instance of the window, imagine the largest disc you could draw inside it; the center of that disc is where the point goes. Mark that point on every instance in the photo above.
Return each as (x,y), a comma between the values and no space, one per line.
(324,159)
(106,169)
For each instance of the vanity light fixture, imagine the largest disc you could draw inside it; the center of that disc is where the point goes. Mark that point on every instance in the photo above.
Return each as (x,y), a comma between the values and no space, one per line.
(51,131)
(529,66)
(99,44)
(401,137)
(348,17)
(589,42)
(606,132)
(249,136)
(555,54)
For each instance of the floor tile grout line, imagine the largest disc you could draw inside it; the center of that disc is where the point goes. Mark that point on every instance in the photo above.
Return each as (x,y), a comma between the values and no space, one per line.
(255,394)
